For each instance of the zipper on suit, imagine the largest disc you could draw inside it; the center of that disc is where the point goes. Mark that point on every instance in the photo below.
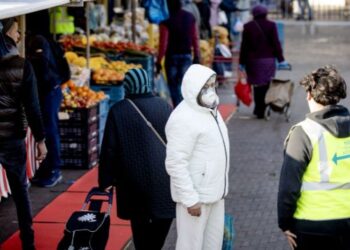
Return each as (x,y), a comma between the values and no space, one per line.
(223,141)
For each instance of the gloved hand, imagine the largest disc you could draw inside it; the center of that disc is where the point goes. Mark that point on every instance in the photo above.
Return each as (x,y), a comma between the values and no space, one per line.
(283,65)
(158,68)
(196,60)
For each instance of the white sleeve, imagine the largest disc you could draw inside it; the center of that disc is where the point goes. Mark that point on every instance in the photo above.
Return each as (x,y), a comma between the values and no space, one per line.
(181,140)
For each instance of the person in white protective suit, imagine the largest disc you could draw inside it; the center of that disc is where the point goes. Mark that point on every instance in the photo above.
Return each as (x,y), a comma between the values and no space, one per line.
(197,161)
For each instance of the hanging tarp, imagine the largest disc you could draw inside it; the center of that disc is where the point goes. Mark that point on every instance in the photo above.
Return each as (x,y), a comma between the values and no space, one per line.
(21,7)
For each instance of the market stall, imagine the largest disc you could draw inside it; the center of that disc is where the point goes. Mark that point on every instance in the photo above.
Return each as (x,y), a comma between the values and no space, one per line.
(20,8)
(98,63)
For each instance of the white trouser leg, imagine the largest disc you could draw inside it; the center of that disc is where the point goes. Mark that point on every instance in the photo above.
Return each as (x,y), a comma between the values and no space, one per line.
(214,231)
(203,232)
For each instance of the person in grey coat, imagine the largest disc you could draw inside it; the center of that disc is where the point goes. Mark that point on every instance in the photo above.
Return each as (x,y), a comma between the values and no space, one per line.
(133,160)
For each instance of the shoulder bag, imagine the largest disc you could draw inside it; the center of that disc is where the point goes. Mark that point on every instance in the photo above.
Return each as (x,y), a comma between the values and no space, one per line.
(149,124)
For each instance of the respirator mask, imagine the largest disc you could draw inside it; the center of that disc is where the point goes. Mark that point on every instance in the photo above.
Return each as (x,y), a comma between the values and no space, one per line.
(208,97)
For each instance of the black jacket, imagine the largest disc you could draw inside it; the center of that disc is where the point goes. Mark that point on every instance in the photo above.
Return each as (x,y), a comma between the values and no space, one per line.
(133,159)
(50,66)
(19,104)
(298,152)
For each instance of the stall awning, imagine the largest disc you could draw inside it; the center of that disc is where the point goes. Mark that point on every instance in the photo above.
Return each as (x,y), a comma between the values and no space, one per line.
(10,8)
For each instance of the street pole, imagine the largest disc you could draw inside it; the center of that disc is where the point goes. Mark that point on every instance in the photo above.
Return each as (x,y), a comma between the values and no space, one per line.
(133,19)
(87,11)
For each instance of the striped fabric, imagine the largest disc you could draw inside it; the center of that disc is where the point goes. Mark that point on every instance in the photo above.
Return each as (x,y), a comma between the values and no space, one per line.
(31,167)
(4,186)
(136,82)
(32,164)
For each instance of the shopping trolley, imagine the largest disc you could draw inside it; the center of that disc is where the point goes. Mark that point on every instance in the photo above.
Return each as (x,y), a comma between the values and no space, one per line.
(279,95)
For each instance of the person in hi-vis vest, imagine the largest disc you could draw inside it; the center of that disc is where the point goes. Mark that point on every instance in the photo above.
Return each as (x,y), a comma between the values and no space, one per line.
(314,190)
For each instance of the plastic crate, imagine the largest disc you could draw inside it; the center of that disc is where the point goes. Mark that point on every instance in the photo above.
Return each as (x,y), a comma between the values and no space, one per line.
(82,115)
(102,121)
(103,107)
(147,63)
(80,161)
(69,148)
(115,93)
(78,132)
(100,137)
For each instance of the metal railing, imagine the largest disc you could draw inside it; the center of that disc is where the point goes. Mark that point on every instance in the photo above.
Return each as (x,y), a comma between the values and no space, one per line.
(321,9)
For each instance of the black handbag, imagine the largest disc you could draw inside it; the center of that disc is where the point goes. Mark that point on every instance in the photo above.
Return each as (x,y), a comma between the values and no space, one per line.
(88,229)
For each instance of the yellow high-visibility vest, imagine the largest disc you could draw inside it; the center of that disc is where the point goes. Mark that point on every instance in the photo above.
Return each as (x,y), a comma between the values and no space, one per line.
(61,22)
(325,191)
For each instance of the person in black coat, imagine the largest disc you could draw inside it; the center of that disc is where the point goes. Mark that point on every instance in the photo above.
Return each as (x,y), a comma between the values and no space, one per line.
(19,108)
(133,160)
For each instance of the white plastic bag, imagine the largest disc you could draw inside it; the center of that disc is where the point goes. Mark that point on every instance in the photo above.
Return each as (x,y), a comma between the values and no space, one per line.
(222,18)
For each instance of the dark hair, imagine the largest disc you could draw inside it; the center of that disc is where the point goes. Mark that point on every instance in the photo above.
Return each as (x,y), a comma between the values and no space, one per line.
(174,6)
(325,85)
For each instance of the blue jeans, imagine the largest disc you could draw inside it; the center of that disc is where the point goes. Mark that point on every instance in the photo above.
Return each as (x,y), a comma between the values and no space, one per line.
(176,66)
(50,106)
(305,5)
(13,159)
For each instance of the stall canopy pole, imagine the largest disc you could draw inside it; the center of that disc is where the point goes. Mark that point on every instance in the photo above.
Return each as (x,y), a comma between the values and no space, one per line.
(22,49)
(87,11)
(133,13)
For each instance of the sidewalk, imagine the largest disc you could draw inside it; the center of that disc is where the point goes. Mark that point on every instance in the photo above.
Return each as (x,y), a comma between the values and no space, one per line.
(257,145)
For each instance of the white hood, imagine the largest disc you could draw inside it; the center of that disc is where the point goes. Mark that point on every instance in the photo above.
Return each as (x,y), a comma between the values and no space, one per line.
(193,81)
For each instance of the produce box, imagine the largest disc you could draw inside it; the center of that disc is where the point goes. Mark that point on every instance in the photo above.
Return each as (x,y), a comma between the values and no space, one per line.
(69,148)
(79,137)
(78,133)
(81,115)
(104,107)
(115,93)
(80,161)
(102,121)
(100,137)
(147,63)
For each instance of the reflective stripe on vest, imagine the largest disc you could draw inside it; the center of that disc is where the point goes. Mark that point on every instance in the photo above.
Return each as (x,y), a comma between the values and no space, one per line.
(325,188)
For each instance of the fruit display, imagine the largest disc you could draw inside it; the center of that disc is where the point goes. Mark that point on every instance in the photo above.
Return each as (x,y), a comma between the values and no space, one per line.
(114,73)
(70,41)
(141,26)
(122,47)
(103,43)
(103,70)
(79,97)
(102,76)
(206,52)
(222,34)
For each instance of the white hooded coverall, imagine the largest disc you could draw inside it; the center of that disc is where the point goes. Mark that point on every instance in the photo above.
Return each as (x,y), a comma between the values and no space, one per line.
(197,161)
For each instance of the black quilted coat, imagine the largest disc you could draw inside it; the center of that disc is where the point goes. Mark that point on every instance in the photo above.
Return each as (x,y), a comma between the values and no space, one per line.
(133,159)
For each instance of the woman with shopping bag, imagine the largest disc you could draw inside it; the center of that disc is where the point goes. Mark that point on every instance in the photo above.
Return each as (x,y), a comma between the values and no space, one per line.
(259,49)
(242,89)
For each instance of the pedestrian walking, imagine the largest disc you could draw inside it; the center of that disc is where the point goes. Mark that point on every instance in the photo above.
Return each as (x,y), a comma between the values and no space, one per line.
(133,160)
(304,5)
(313,198)
(19,107)
(197,161)
(191,7)
(204,10)
(259,49)
(214,12)
(51,70)
(178,36)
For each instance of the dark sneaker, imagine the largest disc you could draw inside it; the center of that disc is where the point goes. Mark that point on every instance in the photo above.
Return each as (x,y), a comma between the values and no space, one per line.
(53,181)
